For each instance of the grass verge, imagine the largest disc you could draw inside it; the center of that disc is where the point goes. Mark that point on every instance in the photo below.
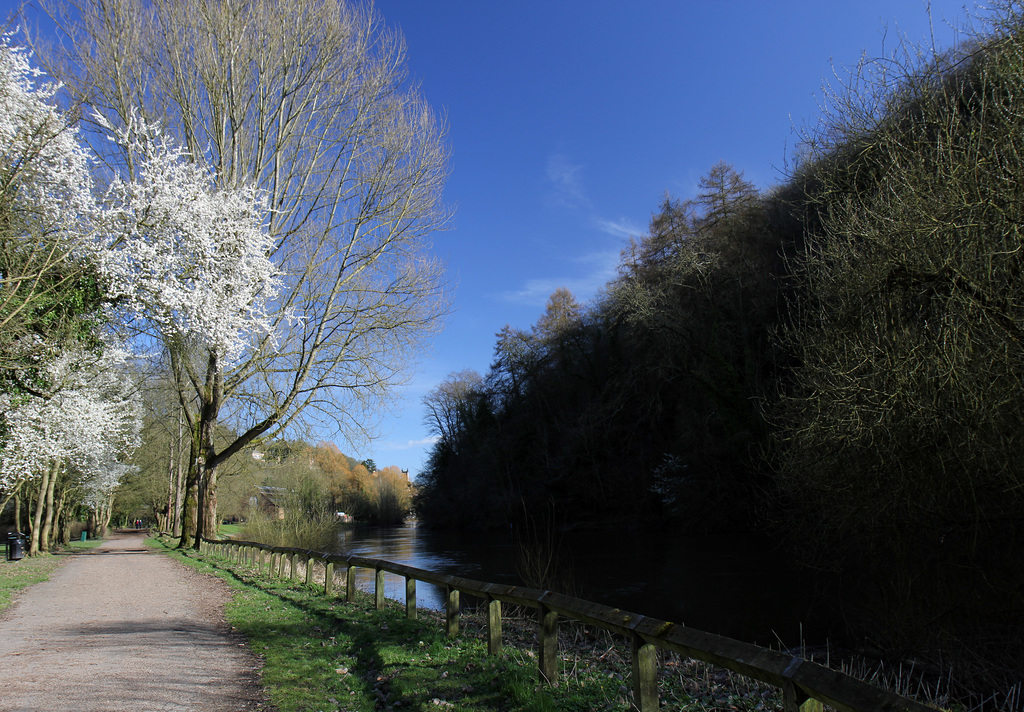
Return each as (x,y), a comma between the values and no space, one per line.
(228,531)
(17,575)
(322,653)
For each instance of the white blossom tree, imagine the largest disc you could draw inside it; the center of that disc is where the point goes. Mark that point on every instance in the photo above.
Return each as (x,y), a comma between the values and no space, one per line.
(47,246)
(190,262)
(90,424)
(167,250)
(308,102)
(50,296)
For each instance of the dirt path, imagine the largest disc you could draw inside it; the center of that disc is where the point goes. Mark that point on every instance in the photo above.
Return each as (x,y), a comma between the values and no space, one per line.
(124,628)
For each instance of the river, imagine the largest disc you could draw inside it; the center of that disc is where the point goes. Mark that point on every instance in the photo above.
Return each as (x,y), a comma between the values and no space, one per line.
(743,587)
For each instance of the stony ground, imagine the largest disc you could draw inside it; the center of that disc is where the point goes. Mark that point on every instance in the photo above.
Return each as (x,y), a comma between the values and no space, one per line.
(123,628)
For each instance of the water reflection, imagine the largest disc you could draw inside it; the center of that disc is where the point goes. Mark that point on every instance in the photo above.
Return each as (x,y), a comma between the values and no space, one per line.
(743,587)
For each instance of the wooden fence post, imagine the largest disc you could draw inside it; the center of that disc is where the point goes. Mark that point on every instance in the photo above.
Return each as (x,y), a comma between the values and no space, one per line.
(493,626)
(329,578)
(350,584)
(645,674)
(378,589)
(793,700)
(548,638)
(451,609)
(410,598)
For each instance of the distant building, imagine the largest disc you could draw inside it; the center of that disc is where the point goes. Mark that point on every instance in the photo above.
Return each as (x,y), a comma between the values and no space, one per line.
(270,501)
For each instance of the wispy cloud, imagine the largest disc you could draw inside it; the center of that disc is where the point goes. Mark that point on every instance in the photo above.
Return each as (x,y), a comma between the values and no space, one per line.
(563,179)
(598,269)
(591,272)
(388,445)
(623,227)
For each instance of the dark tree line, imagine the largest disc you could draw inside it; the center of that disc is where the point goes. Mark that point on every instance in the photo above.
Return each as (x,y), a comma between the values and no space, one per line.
(644,407)
(839,360)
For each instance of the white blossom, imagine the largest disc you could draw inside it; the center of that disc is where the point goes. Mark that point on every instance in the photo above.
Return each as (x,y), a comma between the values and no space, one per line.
(189,256)
(174,249)
(92,421)
(44,162)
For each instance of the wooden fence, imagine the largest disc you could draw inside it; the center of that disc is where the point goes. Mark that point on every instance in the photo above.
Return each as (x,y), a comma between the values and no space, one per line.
(805,684)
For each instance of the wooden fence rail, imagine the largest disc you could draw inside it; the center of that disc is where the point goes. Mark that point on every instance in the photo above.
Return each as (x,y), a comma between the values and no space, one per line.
(805,685)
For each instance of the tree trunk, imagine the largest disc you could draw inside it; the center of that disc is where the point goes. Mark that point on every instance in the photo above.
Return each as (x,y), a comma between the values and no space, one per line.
(179,484)
(179,477)
(206,464)
(47,530)
(30,506)
(190,501)
(37,517)
(197,542)
(210,520)
(206,521)
(190,506)
(165,519)
(8,496)
(106,509)
(179,493)
(60,526)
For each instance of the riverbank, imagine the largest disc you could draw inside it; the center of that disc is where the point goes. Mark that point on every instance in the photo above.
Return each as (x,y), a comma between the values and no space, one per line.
(323,653)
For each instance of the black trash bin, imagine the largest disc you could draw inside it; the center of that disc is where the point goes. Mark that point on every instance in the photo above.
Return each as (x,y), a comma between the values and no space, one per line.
(15,546)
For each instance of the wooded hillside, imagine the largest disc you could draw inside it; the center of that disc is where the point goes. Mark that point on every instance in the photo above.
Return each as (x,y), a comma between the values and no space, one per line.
(837,359)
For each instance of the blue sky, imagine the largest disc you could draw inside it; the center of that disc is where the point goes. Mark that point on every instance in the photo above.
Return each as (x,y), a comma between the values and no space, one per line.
(570,119)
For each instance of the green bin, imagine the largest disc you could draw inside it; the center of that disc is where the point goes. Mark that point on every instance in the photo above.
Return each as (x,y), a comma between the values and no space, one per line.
(85,535)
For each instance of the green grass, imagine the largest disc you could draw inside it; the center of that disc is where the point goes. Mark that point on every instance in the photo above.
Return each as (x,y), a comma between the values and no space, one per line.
(325,654)
(17,575)
(229,531)
(322,653)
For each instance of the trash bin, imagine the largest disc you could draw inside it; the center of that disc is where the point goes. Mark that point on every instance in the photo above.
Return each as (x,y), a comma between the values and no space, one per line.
(85,535)
(15,546)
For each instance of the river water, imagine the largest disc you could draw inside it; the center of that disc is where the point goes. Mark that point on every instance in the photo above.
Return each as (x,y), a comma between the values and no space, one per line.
(743,587)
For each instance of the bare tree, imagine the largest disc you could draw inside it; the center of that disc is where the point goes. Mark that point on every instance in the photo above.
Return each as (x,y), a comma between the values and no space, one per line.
(448,404)
(310,103)
(904,416)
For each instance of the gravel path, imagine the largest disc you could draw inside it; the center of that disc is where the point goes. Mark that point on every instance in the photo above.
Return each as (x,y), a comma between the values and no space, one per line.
(124,628)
